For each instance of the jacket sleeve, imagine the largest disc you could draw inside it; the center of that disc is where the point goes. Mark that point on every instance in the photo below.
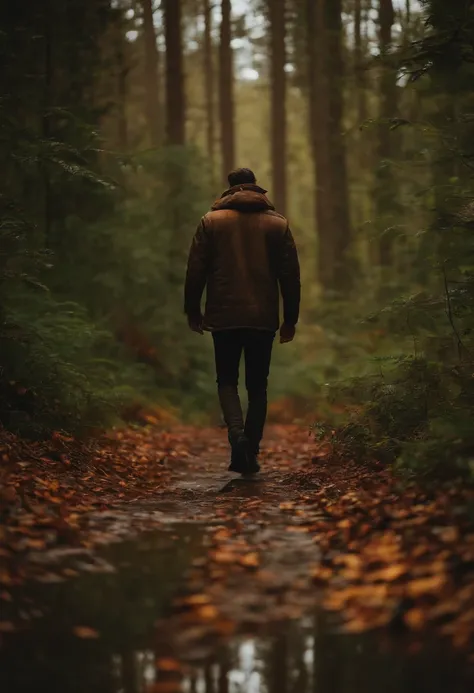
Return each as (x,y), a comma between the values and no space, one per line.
(289,278)
(197,270)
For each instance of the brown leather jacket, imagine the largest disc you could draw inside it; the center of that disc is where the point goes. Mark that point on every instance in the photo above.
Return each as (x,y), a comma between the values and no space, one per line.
(243,252)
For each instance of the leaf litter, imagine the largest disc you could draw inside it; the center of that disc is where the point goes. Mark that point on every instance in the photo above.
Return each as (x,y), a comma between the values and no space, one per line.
(314,530)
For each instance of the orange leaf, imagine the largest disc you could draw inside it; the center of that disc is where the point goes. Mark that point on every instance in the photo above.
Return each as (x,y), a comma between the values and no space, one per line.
(250,560)
(85,632)
(165,687)
(223,557)
(196,599)
(416,588)
(388,574)
(168,664)
(415,619)
(207,613)
(6,627)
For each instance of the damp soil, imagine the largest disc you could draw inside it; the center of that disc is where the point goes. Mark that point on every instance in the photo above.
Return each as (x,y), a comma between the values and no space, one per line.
(150,613)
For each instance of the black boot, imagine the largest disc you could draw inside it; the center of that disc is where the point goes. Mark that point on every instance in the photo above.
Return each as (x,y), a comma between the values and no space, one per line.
(243,460)
(255,420)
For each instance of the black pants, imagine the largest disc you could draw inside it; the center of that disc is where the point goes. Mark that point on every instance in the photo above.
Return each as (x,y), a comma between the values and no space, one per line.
(257,348)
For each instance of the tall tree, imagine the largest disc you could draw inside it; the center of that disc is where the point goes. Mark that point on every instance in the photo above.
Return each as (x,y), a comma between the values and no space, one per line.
(226,90)
(358,64)
(175,98)
(277,13)
(385,193)
(225,665)
(121,70)
(209,84)
(46,115)
(152,75)
(318,130)
(338,154)
(326,81)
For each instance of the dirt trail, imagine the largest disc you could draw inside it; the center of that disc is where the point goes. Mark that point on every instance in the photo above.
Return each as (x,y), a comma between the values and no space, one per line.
(260,558)
(248,557)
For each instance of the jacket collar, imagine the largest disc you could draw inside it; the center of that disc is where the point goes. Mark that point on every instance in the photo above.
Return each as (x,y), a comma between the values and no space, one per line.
(247,197)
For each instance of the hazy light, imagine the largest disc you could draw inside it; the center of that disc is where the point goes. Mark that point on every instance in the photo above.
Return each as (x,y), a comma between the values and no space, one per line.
(130,14)
(249,74)
(132,35)
(237,43)
(289,67)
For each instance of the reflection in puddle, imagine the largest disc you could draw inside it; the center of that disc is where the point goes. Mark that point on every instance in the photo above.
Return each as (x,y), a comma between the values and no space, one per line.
(136,653)
(299,659)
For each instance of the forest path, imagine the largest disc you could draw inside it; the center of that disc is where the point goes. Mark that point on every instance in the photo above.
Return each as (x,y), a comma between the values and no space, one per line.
(223,591)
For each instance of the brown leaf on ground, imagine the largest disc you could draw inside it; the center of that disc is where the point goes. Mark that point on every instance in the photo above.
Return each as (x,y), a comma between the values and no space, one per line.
(168,664)
(250,560)
(85,632)
(316,529)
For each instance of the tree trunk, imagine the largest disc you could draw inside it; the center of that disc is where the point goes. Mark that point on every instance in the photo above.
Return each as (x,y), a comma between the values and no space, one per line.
(225,665)
(175,100)
(46,121)
(385,193)
(319,131)
(277,10)
(209,686)
(279,664)
(359,65)
(152,75)
(209,85)
(122,93)
(369,144)
(337,143)
(360,145)
(129,671)
(226,91)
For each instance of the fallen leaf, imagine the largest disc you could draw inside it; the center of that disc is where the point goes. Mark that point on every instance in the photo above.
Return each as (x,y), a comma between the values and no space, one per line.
(207,613)
(196,599)
(165,687)
(7,627)
(250,560)
(415,619)
(168,664)
(416,588)
(85,632)
(388,574)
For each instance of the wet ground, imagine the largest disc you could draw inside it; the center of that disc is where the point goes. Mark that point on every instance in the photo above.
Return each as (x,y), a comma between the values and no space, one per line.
(217,598)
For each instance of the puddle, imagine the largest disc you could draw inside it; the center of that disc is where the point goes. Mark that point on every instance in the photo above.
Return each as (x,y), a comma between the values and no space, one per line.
(128,608)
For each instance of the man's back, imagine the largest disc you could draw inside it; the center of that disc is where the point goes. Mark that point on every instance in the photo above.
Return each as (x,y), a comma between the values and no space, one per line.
(242,251)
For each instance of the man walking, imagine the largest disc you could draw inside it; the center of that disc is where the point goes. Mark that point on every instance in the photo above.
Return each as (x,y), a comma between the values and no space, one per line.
(244,254)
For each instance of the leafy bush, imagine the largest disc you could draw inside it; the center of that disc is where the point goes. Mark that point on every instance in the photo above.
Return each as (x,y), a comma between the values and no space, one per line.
(59,370)
(91,322)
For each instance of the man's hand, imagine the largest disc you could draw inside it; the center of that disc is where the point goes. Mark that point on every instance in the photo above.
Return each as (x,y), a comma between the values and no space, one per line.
(287,333)
(195,323)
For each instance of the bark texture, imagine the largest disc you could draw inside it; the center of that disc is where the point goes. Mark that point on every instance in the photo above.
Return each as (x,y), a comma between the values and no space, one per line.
(152,75)
(341,221)
(226,91)
(175,100)
(209,86)
(385,192)
(326,109)
(318,129)
(277,13)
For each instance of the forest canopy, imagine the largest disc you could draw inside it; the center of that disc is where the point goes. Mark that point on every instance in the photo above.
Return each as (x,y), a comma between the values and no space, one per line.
(119,121)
